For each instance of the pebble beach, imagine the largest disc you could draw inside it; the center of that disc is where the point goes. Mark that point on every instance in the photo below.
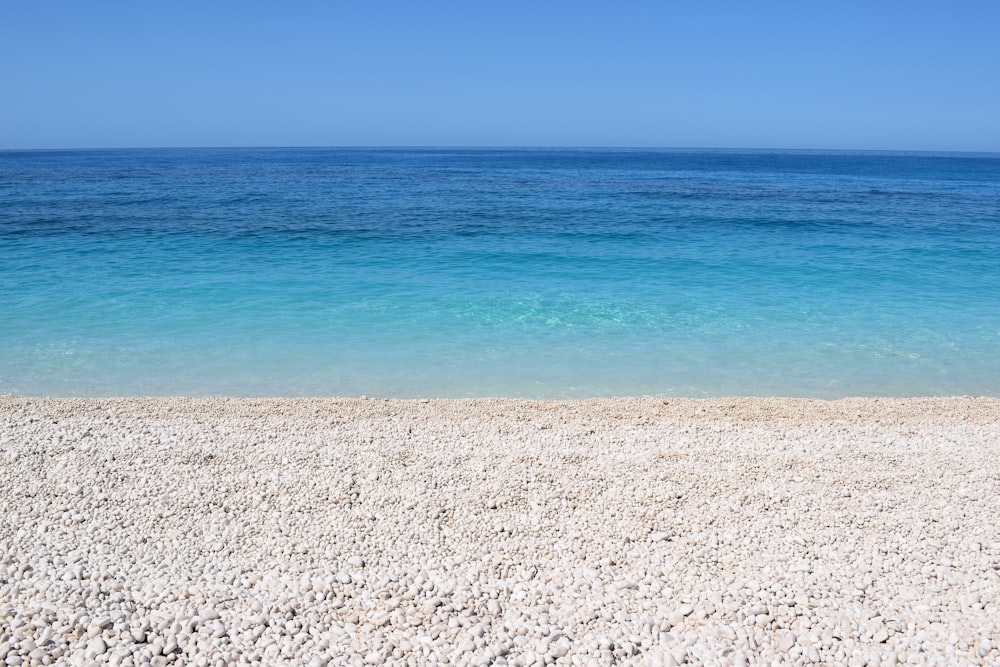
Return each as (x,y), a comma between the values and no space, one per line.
(499,532)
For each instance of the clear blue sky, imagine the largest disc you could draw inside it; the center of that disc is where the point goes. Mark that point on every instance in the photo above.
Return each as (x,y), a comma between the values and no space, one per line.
(802,74)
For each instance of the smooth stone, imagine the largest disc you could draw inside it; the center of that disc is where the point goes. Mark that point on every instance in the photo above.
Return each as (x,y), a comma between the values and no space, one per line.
(97,646)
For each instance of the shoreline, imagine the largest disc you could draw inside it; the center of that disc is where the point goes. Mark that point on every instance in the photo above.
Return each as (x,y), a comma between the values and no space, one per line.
(743,407)
(640,531)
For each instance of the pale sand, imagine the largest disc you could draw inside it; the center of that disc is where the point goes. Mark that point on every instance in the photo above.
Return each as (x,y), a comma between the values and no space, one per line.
(626,531)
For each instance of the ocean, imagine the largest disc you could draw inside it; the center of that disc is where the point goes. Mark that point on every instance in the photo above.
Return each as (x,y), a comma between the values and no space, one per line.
(524,273)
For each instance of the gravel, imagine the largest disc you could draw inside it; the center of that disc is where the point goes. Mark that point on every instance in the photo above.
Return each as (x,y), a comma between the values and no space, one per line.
(499,532)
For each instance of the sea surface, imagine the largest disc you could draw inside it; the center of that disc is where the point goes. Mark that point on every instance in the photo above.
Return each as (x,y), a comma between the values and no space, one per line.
(526,273)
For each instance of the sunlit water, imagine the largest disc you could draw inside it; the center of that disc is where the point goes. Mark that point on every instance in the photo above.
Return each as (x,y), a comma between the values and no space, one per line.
(530,273)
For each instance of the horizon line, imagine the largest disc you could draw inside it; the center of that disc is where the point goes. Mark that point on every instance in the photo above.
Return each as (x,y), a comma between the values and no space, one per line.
(487,147)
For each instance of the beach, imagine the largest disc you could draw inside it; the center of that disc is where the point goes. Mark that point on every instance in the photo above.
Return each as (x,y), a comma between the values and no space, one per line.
(638,531)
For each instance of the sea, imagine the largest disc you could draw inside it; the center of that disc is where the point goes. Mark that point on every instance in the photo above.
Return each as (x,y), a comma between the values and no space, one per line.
(536,273)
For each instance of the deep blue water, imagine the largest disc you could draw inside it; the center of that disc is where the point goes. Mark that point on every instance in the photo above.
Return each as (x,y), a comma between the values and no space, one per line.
(538,273)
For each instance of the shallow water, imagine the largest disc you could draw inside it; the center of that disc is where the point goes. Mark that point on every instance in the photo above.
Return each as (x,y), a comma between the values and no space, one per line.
(537,273)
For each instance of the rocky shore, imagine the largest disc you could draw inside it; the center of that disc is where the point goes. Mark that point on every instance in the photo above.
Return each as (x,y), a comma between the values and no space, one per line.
(499,532)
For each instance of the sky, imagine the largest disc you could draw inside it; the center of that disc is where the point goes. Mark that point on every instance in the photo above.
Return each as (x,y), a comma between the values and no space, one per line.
(881,75)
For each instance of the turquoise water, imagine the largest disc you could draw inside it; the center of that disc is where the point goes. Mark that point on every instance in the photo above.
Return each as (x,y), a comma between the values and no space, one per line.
(536,273)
